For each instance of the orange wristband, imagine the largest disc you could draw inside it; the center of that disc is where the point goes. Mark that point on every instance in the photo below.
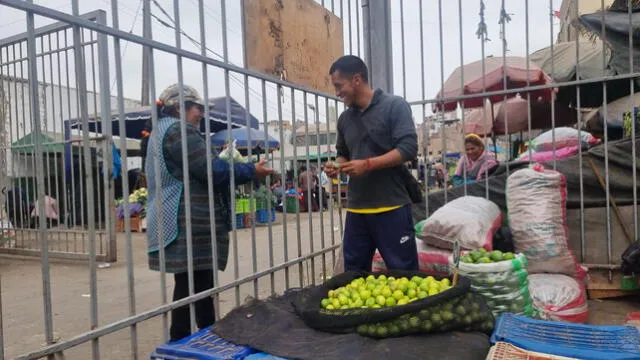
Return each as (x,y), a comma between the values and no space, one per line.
(368,164)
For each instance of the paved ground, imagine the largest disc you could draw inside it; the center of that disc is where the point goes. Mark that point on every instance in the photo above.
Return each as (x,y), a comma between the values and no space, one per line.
(22,304)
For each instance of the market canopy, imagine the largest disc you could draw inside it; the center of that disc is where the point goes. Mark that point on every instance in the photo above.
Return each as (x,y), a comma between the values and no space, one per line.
(136,119)
(561,64)
(490,75)
(313,156)
(241,136)
(54,143)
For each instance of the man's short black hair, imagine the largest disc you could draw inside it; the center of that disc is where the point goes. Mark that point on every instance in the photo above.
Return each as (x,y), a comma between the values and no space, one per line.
(350,65)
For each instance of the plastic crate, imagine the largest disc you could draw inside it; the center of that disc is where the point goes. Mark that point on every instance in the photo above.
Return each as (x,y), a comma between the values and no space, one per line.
(263,216)
(506,351)
(588,342)
(264,356)
(203,345)
(239,221)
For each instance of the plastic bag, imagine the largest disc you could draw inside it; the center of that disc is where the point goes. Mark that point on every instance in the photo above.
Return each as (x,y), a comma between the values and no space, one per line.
(559,298)
(544,156)
(431,260)
(470,220)
(536,201)
(231,152)
(441,310)
(564,137)
(503,284)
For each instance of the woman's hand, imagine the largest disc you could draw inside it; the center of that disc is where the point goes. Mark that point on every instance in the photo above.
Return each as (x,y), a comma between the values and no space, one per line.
(262,171)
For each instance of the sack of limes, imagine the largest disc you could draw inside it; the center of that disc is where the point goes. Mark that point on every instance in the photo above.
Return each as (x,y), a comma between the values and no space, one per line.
(501,278)
(393,303)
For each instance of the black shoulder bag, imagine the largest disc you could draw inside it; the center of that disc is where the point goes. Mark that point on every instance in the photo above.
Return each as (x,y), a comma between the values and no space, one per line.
(410,182)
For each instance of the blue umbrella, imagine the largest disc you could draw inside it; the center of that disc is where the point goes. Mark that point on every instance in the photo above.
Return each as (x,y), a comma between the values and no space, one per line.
(136,119)
(258,139)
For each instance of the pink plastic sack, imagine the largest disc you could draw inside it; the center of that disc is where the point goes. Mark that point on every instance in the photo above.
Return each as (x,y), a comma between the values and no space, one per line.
(559,298)
(430,260)
(564,137)
(536,202)
(544,156)
(471,220)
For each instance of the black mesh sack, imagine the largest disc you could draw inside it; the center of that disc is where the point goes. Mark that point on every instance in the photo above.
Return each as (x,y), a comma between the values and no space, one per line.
(463,313)
(307,304)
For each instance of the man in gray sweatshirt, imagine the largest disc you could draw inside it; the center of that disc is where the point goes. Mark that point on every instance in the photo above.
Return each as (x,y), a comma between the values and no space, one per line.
(376,135)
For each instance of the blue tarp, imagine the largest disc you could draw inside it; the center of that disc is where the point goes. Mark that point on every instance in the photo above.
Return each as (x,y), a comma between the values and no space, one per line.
(136,118)
(241,136)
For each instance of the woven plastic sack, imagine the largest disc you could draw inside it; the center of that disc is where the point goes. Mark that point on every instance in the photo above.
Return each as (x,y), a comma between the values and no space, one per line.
(544,156)
(504,285)
(469,219)
(431,260)
(559,298)
(564,137)
(410,318)
(536,202)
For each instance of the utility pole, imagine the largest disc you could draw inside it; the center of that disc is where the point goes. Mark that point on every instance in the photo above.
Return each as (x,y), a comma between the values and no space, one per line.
(146,33)
(376,21)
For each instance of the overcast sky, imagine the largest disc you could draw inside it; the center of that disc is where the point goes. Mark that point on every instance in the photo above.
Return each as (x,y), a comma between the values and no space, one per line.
(542,32)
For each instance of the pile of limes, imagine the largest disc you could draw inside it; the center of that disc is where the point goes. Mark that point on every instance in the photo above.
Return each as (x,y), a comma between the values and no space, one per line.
(463,313)
(482,256)
(383,291)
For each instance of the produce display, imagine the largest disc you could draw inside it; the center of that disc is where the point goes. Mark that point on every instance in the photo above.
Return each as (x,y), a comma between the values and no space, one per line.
(394,303)
(382,291)
(501,278)
(465,313)
(482,256)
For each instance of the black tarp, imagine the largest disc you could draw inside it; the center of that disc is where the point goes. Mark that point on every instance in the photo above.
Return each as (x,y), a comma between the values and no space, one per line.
(620,180)
(616,35)
(272,326)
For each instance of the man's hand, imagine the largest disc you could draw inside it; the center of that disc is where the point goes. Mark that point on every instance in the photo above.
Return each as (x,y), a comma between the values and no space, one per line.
(332,169)
(261,170)
(355,167)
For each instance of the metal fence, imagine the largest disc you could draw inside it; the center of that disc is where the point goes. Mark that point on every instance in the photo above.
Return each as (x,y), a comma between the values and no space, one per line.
(75,69)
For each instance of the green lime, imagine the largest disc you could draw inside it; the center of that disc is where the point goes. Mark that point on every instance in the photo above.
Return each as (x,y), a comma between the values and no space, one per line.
(362,329)
(460,310)
(483,260)
(381,300)
(414,322)
(508,256)
(390,302)
(476,254)
(496,255)
(330,307)
(436,318)
(483,250)
(467,259)
(370,302)
(382,331)
(394,329)
(324,303)
(403,301)
(422,294)
(386,292)
(447,315)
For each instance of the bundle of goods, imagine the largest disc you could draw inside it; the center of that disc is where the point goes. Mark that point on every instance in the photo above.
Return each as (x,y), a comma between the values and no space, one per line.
(394,303)
(558,297)
(431,260)
(501,278)
(562,137)
(470,220)
(556,144)
(536,202)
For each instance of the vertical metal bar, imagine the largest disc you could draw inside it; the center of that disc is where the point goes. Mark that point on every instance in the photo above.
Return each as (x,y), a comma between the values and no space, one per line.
(583,248)
(442,124)
(633,122)
(328,122)
(98,147)
(282,183)
(1,324)
(133,330)
(306,142)
(553,94)
(526,30)
(45,127)
(254,247)
(423,95)
(27,182)
(56,194)
(65,192)
(84,115)
(227,91)
(282,171)
(185,166)
(309,200)
(350,27)
(404,54)
(35,129)
(105,108)
(73,204)
(340,217)
(461,103)
(209,155)
(358,9)
(158,183)
(7,94)
(606,144)
(503,35)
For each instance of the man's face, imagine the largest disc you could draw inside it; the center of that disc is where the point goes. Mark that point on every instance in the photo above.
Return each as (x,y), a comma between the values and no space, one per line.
(346,87)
